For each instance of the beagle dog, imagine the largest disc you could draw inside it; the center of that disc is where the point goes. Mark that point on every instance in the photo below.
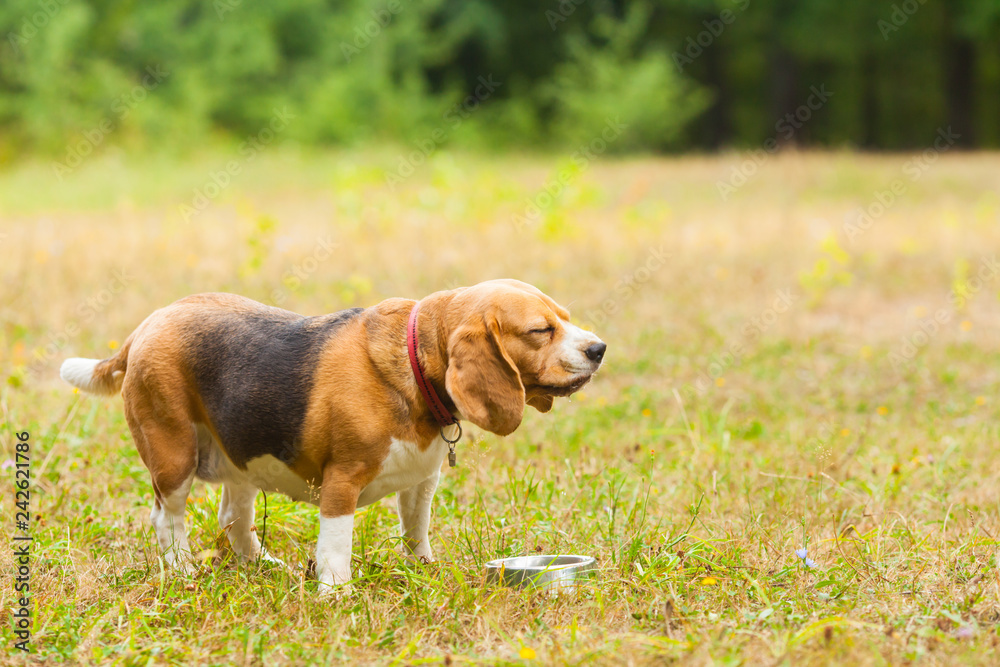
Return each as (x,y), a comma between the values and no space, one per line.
(337,410)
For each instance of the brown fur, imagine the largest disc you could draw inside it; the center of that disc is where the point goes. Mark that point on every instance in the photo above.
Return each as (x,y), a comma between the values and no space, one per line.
(474,350)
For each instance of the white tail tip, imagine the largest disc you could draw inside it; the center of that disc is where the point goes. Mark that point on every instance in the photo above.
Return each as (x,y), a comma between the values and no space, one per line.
(80,373)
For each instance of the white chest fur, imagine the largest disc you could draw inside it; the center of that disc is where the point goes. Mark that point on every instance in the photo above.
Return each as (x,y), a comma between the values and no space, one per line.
(405,466)
(270,474)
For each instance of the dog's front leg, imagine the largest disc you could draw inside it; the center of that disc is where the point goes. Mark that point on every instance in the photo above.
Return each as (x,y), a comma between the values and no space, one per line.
(338,500)
(414,507)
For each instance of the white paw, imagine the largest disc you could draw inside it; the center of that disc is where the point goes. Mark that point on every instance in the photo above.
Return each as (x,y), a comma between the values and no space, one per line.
(425,557)
(268,558)
(182,564)
(332,583)
(335,591)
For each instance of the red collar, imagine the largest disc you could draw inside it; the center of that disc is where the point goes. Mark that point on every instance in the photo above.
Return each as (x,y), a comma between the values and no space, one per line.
(441,413)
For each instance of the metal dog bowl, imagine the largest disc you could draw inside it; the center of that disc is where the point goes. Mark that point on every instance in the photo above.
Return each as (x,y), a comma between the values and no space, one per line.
(559,572)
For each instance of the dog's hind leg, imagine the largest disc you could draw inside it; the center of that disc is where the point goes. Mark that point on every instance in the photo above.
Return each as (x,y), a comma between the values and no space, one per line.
(236,511)
(168,446)
(167,518)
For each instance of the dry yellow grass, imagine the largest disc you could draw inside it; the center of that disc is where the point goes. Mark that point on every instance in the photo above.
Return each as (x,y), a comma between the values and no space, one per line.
(778,380)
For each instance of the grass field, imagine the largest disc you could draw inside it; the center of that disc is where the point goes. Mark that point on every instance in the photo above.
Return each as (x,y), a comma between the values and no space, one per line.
(777,379)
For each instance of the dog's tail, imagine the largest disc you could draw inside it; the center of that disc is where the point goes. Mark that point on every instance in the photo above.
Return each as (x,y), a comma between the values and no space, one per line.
(95,375)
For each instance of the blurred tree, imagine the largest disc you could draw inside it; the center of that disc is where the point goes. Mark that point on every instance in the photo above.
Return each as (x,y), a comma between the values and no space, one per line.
(76,74)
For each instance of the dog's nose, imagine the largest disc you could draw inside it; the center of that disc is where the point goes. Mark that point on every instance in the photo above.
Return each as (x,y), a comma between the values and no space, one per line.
(596,352)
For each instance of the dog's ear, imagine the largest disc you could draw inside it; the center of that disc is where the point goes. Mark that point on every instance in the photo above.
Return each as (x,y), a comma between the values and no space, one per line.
(482,379)
(541,403)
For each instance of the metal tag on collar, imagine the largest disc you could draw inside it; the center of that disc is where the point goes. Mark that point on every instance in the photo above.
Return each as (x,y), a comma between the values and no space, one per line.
(452,459)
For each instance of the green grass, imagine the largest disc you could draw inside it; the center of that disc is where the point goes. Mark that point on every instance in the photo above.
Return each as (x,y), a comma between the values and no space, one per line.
(690,476)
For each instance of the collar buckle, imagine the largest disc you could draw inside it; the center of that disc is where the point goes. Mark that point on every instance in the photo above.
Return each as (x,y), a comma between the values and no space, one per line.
(441,414)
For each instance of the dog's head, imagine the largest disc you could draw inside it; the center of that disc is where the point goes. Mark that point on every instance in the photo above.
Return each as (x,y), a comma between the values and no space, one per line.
(509,344)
